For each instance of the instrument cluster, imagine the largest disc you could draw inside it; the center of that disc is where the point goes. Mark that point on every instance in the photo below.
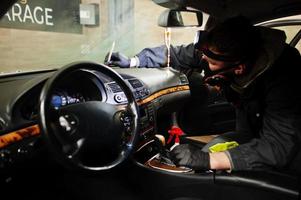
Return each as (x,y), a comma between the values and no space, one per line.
(63,98)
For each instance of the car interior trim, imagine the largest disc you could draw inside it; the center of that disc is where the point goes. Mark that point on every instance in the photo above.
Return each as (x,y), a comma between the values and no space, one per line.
(19,135)
(163,92)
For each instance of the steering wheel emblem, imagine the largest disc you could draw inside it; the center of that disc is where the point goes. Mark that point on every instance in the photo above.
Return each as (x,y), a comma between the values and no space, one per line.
(67,122)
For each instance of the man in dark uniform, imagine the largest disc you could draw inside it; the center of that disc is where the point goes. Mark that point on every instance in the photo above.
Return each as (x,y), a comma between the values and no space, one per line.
(256,71)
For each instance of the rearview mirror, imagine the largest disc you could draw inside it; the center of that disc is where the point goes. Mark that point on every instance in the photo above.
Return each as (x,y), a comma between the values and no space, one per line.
(180,18)
(171,4)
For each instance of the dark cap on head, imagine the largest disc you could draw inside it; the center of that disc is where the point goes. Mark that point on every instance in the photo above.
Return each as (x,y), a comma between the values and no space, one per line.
(235,39)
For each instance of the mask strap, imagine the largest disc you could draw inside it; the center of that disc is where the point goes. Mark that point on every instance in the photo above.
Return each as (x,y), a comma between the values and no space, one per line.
(219,57)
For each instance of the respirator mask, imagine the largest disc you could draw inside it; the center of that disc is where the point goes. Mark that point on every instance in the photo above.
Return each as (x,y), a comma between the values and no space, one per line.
(221,77)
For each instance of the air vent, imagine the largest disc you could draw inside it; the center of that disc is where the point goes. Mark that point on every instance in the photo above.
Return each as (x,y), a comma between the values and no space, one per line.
(135,83)
(183,79)
(115,87)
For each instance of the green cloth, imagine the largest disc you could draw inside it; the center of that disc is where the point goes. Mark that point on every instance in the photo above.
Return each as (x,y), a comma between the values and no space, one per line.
(223,146)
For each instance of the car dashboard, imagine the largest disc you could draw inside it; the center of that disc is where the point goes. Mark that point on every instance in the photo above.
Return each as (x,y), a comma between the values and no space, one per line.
(19,108)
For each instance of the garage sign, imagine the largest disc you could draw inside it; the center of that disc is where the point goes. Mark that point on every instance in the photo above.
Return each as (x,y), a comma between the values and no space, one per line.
(46,15)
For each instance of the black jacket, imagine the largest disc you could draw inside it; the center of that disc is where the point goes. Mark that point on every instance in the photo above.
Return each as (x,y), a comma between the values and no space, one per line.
(269,113)
(269,109)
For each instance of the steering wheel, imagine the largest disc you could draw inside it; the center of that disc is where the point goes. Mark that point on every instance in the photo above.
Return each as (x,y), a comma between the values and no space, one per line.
(90,135)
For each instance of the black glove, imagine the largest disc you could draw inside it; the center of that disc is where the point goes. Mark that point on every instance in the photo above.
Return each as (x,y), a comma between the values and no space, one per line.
(190,156)
(118,59)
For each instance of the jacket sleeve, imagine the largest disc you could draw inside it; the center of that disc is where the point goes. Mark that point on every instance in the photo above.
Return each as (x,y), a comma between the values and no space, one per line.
(184,56)
(279,136)
(275,147)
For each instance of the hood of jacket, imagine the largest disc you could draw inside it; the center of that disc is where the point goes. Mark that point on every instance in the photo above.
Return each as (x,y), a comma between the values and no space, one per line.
(272,47)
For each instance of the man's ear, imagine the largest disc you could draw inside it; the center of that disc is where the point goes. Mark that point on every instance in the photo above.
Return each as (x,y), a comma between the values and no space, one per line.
(240,69)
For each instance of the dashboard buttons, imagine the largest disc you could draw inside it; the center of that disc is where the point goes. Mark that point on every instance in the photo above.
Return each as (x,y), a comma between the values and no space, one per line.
(126,120)
(119,98)
(116,94)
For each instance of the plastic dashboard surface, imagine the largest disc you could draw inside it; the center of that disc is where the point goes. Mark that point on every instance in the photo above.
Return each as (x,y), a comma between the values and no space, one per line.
(24,89)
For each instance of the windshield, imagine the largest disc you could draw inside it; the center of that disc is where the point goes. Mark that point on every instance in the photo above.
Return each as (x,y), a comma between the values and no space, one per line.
(38,35)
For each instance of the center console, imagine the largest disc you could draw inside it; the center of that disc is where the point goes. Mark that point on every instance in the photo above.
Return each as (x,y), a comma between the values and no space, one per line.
(154,154)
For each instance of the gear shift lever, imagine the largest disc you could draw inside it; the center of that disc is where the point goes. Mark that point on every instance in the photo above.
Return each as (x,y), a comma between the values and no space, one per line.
(163,159)
(164,154)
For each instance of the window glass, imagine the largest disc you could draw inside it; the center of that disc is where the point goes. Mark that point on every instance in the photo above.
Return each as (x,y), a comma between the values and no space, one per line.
(290,31)
(48,34)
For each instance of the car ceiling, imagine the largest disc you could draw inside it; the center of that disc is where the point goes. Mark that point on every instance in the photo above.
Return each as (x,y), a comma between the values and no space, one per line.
(5,5)
(256,10)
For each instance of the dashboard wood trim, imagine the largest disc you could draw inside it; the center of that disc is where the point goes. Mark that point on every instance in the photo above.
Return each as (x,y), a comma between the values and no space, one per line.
(163,92)
(19,135)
